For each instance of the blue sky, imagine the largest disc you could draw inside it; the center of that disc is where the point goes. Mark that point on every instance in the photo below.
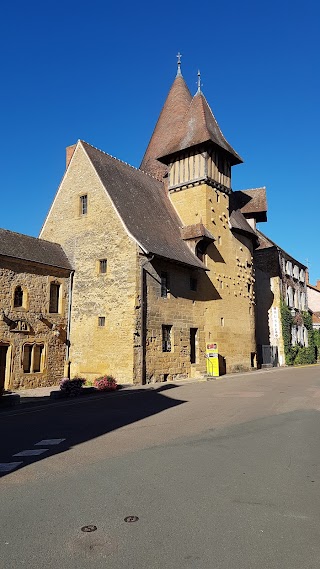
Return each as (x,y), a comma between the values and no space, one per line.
(101,71)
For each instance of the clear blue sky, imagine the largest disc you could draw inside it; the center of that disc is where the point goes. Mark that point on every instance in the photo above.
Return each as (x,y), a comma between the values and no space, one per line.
(100,71)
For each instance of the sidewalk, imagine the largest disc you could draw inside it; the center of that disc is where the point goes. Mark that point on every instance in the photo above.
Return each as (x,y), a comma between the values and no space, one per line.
(42,395)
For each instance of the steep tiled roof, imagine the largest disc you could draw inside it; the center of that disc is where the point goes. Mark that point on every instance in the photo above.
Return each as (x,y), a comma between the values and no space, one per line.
(197,127)
(239,223)
(32,249)
(173,111)
(252,203)
(144,208)
(266,242)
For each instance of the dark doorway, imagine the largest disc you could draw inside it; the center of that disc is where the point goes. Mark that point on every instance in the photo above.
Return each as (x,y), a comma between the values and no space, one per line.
(193,343)
(3,362)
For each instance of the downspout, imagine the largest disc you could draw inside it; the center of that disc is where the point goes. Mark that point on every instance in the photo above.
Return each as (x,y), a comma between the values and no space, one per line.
(67,363)
(143,296)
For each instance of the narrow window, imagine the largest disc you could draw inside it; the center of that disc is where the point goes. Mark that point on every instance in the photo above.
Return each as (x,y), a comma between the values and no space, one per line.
(103,266)
(18,297)
(222,321)
(164,285)
(37,353)
(166,338)
(249,287)
(54,298)
(219,240)
(84,204)
(193,284)
(101,321)
(27,358)
(193,343)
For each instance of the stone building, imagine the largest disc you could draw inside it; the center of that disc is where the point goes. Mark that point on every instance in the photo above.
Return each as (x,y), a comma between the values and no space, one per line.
(279,278)
(34,284)
(163,256)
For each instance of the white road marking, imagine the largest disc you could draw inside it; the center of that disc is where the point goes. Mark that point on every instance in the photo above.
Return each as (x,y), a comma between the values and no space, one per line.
(8,466)
(31,452)
(49,442)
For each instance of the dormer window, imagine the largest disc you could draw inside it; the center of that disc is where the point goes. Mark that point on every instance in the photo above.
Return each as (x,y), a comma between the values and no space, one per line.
(201,249)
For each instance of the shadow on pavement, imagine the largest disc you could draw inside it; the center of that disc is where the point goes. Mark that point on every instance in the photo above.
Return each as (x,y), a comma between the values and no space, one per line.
(76,420)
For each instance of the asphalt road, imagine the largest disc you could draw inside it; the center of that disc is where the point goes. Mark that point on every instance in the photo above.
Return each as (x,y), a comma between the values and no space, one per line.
(222,475)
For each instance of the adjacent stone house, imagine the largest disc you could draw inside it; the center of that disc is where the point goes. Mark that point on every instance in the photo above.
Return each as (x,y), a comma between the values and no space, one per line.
(163,255)
(34,284)
(279,278)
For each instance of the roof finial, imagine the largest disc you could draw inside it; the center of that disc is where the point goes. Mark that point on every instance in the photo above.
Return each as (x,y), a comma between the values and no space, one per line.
(179,63)
(199,81)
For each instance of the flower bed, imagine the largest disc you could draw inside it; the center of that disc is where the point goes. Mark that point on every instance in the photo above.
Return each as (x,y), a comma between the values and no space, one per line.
(105,383)
(72,387)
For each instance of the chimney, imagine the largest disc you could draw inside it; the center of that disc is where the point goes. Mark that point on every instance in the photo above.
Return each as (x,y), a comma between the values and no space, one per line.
(69,153)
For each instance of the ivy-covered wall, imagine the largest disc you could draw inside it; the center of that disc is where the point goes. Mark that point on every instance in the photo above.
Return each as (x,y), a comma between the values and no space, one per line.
(298,355)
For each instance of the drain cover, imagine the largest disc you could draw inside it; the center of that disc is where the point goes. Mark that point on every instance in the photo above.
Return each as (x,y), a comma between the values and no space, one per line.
(88,528)
(131,519)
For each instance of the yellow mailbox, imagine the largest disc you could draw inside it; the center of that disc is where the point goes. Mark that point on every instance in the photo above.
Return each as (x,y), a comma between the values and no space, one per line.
(212,356)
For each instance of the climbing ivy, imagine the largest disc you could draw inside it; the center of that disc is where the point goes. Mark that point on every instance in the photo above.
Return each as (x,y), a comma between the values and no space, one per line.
(297,355)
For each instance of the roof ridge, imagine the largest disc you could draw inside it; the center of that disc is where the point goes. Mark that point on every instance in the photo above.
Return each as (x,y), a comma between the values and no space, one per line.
(121,161)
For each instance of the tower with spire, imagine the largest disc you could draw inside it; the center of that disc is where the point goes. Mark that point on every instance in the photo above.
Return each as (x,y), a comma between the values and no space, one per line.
(189,152)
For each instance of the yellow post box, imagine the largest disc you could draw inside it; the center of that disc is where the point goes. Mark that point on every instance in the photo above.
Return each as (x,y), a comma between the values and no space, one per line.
(212,356)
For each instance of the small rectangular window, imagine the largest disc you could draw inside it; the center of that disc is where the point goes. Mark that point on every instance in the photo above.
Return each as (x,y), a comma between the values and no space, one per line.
(164,285)
(193,284)
(222,321)
(84,204)
(101,321)
(219,240)
(166,338)
(54,298)
(103,266)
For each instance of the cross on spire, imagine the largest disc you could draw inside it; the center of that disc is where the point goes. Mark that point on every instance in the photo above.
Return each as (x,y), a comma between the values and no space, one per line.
(179,63)
(199,81)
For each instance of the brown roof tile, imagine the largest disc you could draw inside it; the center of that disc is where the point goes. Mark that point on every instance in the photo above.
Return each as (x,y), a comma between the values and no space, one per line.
(197,127)
(32,249)
(173,111)
(239,223)
(144,207)
(253,201)
(196,230)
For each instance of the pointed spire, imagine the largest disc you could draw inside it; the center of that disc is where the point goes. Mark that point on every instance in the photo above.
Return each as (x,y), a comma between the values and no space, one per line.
(198,126)
(169,121)
(179,55)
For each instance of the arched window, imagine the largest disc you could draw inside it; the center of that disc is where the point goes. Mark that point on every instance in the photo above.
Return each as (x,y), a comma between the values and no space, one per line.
(18,297)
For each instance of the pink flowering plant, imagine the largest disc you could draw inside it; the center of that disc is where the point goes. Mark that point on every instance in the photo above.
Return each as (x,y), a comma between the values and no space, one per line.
(105,383)
(72,386)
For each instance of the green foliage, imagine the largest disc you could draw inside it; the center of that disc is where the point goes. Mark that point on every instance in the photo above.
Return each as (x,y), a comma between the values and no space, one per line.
(287,320)
(297,355)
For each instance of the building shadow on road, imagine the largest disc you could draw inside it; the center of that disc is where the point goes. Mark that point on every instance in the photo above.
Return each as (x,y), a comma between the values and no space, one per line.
(75,420)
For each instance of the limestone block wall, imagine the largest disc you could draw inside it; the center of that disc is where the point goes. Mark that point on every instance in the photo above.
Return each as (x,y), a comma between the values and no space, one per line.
(32,323)
(230,313)
(87,239)
(182,309)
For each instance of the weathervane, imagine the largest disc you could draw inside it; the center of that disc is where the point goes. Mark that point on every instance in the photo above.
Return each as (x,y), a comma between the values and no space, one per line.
(179,63)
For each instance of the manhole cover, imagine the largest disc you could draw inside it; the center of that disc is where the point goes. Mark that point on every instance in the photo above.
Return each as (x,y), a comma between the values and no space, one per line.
(131,519)
(88,528)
